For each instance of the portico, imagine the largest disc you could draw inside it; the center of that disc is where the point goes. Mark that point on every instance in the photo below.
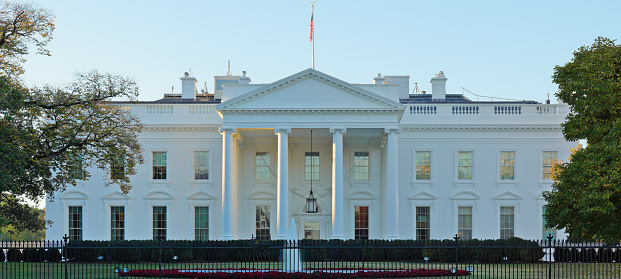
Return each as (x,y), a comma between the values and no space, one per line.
(290,108)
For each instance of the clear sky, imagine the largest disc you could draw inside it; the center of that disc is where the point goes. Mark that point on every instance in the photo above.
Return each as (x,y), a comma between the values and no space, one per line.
(495,48)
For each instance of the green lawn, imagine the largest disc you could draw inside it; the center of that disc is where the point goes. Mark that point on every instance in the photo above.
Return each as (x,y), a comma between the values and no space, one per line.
(106,270)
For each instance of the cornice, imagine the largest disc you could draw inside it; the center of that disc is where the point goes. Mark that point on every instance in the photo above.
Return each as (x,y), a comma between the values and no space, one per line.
(409,129)
(179,128)
(332,110)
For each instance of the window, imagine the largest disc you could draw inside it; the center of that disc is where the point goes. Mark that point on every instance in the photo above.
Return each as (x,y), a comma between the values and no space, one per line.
(546,230)
(201,223)
(423,165)
(464,165)
(507,165)
(75,223)
(159,222)
(361,166)
(311,230)
(201,165)
(549,158)
(159,165)
(263,222)
(117,223)
(464,222)
(76,170)
(311,166)
(422,223)
(262,166)
(361,222)
(117,169)
(507,222)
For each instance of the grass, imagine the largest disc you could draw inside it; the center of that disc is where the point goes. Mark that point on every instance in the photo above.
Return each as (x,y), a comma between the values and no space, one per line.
(518,270)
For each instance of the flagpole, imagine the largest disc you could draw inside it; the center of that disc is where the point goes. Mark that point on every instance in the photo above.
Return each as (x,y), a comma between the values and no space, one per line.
(313,31)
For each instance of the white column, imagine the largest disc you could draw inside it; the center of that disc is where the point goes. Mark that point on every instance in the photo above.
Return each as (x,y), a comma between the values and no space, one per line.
(338,220)
(390,195)
(227,183)
(282,206)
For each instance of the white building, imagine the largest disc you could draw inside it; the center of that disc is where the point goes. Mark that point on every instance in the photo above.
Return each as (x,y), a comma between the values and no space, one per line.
(385,164)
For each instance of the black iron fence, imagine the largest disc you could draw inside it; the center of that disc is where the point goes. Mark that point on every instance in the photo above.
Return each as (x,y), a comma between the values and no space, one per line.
(512,258)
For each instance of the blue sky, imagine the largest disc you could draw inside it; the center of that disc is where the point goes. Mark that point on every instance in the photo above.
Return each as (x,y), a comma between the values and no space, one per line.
(495,48)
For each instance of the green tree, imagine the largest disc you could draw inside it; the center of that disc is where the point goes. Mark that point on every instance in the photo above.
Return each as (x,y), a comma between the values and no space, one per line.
(586,196)
(22,25)
(51,135)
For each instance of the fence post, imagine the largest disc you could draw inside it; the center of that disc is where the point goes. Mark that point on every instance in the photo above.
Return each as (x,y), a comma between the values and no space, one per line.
(456,238)
(159,250)
(364,239)
(65,239)
(549,237)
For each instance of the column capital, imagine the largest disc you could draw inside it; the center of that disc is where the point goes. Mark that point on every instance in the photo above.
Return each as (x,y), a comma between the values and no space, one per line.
(340,130)
(230,130)
(282,130)
(392,130)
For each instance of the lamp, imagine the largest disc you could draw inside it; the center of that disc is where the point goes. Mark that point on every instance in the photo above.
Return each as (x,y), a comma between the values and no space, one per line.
(311,201)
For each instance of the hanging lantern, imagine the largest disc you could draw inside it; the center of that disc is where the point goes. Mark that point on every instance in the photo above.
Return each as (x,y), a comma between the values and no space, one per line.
(311,201)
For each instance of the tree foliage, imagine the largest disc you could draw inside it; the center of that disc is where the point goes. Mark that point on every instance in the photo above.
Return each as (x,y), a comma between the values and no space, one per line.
(52,135)
(586,196)
(22,25)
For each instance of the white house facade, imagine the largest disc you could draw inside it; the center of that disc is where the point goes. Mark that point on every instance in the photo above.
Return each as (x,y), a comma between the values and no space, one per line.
(382,164)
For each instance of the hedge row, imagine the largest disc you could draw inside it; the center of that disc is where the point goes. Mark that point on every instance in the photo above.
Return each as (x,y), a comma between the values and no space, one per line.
(587,255)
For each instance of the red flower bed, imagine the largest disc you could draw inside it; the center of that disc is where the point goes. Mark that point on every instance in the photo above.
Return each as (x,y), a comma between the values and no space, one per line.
(309,274)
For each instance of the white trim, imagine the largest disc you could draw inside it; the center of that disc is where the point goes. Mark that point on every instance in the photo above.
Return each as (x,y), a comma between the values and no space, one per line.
(199,182)
(272,176)
(362,198)
(432,167)
(154,182)
(352,176)
(466,199)
(261,198)
(507,199)
(516,177)
(422,199)
(542,181)
(465,182)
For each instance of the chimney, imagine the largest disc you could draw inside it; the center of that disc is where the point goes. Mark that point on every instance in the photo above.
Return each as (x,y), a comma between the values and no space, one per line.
(244,79)
(438,87)
(378,79)
(188,87)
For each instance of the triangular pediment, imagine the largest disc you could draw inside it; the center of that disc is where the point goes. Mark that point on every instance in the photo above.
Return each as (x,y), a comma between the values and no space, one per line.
(423,195)
(200,195)
(508,196)
(310,90)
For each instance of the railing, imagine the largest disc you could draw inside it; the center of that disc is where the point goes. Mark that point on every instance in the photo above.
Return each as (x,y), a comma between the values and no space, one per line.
(512,258)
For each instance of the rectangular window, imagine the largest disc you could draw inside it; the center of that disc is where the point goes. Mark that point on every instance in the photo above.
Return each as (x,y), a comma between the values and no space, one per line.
(159,222)
(201,165)
(311,230)
(201,223)
(159,165)
(361,166)
(423,228)
(549,159)
(262,166)
(464,165)
(546,230)
(507,222)
(117,169)
(507,165)
(361,222)
(263,222)
(117,223)
(311,166)
(464,222)
(75,223)
(423,165)
(76,170)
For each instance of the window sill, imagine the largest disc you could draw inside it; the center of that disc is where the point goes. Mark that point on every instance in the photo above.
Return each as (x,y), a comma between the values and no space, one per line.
(501,183)
(422,182)
(464,183)
(205,182)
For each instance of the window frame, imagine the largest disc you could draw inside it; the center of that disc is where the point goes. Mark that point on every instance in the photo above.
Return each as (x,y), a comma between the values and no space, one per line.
(318,166)
(432,167)
(165,228)
(500,221)
(368,167)
(516,168)
(472,210)
(123,229)
(208,209)
(209,166)
(542,161)
(368,222)
(472,166)
(81,222)
(152,162)
(428,222)
(270,227)
(268,166)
